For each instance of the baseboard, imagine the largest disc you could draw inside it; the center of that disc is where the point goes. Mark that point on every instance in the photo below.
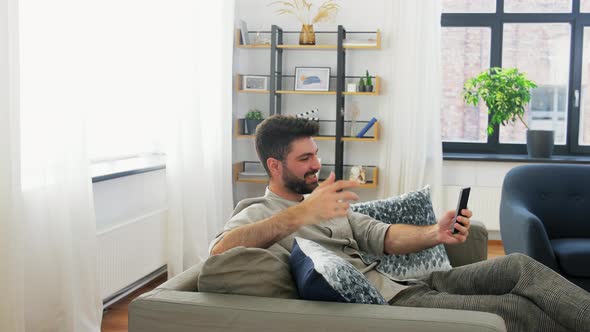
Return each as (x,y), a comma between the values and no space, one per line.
(109,301)
(494,235)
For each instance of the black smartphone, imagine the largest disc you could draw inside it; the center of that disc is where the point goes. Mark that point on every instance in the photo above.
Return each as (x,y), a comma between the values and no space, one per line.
(461,204)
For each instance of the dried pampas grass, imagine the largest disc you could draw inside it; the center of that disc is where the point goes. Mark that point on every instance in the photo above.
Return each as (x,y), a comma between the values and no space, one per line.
(302,9)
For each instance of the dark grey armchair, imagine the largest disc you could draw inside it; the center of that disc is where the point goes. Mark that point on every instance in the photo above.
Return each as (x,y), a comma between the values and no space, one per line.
(545,214)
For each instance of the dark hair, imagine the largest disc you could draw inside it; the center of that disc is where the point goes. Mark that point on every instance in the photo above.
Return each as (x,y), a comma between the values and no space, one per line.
(275,135)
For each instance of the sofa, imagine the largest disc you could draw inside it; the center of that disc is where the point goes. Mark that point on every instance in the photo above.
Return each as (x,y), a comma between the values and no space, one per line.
(544,214)
(177,305)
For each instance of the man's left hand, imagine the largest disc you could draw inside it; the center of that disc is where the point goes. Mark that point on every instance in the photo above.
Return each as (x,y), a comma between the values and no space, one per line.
(463,224)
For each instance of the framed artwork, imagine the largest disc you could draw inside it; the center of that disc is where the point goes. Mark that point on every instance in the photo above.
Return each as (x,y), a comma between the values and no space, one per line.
(254,83)
(312,78)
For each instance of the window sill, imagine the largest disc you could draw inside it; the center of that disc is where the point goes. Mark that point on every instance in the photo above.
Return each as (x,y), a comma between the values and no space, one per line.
(555,159)
(112,169)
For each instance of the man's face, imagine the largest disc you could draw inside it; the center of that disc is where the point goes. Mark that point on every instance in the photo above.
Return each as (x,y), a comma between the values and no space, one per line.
(301,166)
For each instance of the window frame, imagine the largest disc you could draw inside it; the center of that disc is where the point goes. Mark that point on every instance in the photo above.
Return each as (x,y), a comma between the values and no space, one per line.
(495,22)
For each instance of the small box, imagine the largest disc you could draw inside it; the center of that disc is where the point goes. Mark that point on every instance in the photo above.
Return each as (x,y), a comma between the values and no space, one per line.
(351,87)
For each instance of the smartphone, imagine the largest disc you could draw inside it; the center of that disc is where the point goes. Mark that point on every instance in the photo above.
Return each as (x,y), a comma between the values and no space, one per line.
(461,204)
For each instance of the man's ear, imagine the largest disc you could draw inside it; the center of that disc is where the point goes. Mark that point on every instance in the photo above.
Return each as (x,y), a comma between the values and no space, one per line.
(274,166)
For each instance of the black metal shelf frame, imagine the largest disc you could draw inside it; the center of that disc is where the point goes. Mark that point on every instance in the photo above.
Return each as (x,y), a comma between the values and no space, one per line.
(276,78)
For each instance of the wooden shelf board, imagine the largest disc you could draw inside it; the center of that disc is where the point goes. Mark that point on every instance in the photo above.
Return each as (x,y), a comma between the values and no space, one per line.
(254,46)
(263,180)
(297,92)
(375,137)
(374,93)
(311,47)
(253,91)
(239,166)
(329,138)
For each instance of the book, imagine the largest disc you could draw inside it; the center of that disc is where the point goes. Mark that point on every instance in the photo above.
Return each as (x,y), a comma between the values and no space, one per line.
(244,31)
(366,128)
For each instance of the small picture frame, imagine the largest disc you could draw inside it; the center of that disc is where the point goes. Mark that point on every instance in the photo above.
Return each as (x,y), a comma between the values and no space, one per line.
(312,78)
(244,32)
(254,82)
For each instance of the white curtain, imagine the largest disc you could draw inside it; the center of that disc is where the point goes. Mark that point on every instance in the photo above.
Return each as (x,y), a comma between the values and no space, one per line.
(11,257)
(47,224)
(199,153)
(412,148)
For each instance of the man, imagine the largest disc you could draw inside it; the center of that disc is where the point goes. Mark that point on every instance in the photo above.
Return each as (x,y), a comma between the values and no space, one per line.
(528,295)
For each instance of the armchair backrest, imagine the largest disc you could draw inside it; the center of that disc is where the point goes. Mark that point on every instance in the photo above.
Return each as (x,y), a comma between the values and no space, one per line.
(558,194)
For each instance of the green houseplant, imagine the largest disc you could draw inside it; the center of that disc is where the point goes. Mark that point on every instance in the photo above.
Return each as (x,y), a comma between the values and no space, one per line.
(507,92)
(253,118)
(368,82)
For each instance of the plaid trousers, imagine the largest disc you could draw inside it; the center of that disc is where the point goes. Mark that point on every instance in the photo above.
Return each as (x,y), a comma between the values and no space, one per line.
(528,295)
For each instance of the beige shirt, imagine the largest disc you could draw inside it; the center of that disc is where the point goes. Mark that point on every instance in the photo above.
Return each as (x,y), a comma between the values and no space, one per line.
(344,236)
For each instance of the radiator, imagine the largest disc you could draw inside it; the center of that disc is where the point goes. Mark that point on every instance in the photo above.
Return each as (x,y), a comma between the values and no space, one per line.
(483,201)
(130,251)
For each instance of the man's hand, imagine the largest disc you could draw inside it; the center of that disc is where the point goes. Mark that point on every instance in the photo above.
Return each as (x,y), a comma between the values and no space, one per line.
(327,201)
(463,224)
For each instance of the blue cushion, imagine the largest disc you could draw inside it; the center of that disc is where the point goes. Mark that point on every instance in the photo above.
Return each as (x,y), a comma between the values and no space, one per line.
(573,256)
(413,208)
(321,275)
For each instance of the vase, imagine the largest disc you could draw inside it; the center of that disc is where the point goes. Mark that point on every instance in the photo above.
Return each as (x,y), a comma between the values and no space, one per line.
(251,126)
(540,143)
(307,36)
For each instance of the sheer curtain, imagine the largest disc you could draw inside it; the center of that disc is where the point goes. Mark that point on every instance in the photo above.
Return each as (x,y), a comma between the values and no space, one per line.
(412,146)
(199,138)
(11,258)
(48,225)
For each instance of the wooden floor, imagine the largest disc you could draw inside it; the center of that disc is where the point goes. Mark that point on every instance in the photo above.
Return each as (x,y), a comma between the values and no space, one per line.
(115,318)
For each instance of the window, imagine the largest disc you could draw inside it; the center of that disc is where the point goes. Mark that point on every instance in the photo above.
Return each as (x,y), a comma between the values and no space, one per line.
(549,40)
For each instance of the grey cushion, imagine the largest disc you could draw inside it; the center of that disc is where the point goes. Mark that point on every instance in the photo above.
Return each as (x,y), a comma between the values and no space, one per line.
(414,208)
(249,271)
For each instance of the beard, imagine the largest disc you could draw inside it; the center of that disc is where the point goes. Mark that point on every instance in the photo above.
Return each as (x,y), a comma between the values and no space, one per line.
(296,184)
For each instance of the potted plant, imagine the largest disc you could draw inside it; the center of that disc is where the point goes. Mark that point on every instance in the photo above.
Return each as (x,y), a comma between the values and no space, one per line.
(506,92)
(368,82)
(253,118)
(362,87)
(302,10)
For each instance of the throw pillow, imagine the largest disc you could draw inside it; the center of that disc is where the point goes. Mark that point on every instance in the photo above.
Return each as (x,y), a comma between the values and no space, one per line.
(414,208)
(321,275)
(249,271)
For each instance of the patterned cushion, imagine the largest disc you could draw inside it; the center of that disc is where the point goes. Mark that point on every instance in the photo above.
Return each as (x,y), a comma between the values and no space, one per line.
(414,208)
(321,275)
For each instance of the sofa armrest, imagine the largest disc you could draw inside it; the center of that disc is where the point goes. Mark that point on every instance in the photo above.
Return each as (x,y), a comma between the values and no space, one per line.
(186,281)
(166,310)
(523,232)
(474,250)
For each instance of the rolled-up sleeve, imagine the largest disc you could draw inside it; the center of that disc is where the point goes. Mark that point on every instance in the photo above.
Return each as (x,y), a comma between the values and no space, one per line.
(369,233)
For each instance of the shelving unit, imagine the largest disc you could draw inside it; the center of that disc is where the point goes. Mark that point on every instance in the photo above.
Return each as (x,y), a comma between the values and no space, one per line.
(276,91)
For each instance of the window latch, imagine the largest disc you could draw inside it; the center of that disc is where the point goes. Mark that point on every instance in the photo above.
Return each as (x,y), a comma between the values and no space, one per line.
(576,98)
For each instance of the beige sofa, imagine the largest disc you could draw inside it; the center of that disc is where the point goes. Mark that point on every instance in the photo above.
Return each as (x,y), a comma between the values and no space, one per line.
(177,305)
